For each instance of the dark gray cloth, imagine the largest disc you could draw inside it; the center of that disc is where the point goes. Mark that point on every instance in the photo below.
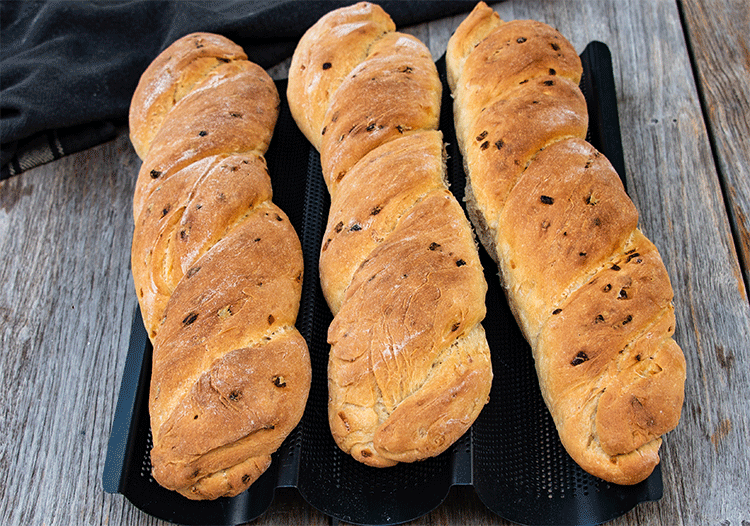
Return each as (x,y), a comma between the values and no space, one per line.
(68,69)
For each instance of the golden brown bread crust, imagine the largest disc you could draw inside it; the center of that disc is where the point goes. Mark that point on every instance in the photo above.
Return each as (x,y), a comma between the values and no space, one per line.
(409,368)
(395,63)
(170,233)
(506,138)
(217,269)
(321,68)
(585,217)
(590,292)
(175,71)
(369,208)
(239,103)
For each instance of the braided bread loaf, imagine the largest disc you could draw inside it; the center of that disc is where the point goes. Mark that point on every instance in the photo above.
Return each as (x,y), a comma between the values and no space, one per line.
(589,291)
(217,269)
(409,367)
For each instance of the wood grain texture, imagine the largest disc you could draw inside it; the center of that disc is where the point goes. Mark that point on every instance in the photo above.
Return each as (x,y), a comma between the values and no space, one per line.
(66,307)
(718,36)
(67,301)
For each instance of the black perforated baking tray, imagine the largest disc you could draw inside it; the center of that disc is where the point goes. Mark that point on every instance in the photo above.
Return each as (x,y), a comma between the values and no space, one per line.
(512,456)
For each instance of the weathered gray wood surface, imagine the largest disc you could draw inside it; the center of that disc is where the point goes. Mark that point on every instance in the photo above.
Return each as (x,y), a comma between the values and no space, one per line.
(66,303)
(719,36)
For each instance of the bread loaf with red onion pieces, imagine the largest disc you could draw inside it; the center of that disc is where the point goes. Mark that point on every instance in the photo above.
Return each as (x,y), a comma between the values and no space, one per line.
(217,268)
(589,290)
(409,368)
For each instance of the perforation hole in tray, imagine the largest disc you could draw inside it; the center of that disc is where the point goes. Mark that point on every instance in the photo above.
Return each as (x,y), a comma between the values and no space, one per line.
(146,460)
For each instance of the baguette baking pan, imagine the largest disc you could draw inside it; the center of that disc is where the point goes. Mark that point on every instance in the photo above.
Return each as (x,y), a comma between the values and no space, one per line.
(511,457)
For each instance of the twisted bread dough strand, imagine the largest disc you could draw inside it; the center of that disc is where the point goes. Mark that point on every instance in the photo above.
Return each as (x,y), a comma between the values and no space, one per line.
(409,367)
(589,291)
(217,269)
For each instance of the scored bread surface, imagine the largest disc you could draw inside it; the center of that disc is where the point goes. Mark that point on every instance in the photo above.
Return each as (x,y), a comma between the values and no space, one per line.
(589,290)
(409,366)
(217,268)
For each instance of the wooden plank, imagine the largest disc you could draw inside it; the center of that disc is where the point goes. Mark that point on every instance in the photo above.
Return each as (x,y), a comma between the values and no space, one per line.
(66,308)
(718,34)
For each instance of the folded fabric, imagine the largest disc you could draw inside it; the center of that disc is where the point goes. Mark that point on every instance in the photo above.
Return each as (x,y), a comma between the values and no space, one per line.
(68,69)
